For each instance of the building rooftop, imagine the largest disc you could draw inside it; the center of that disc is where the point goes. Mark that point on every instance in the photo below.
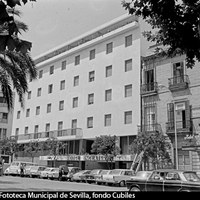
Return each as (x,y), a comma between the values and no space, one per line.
(93,34)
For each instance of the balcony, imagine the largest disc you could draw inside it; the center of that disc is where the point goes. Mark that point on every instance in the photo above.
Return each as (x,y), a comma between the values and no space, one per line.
(42,136)
(150,128)
(181,127)
(178,83)
(149,89)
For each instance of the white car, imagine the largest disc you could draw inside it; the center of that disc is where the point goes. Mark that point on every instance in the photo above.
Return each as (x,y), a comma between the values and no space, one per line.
(45,173)
(118,177)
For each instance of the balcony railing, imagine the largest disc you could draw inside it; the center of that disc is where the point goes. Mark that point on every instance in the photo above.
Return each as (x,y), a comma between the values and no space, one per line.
(178,82)
(3,120)
(181,126)
(149,128)
(78,132)
(149,88)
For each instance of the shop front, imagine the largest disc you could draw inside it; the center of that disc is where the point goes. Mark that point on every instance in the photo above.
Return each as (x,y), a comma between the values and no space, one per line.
(88,161)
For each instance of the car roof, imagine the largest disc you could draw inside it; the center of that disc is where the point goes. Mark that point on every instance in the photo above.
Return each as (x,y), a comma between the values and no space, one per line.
(172,170)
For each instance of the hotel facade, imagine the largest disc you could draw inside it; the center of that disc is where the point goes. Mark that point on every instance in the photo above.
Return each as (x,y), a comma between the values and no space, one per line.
(88,87)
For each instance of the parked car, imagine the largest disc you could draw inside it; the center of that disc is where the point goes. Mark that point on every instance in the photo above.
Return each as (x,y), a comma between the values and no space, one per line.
(167,180)
(83,176)
(44,173)
(118,176)
(99,178)
(54,173)
(36,170)
(71,172)
(78,176)
(90,178)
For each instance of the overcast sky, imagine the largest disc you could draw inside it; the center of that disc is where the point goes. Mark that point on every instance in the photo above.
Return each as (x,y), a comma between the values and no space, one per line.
(53,22)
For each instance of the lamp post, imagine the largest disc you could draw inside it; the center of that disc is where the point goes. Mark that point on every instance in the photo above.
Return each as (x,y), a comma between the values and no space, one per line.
(160,86)
(175,137)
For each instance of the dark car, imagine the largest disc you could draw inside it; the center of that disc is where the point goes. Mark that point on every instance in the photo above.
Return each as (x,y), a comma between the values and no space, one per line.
(167,180)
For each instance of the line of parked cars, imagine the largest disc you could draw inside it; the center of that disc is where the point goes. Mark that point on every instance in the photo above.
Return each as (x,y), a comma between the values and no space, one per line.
(97,176)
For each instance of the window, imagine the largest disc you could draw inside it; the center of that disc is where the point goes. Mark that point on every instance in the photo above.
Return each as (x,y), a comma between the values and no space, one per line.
(128,65)
(39,91)
(183,159)
(77,60)
(178,72)
(3,133)
(109,71)
(109,48)
(18,114)
(47,130)
(128,117)
(61,105)
(26,130)
(62,85)
(64,64)
(128,40)
(48,107)
(50,88)
(76,80)
(92,54)
(29,94)
(149,79)
(74,126)
(90,98)
(40,73)
(91,76)
(182,115)
(150,117)
(36,129)
(90,122)
(75,102)
(51,70)
(4,117)
(17,131)
(107,120)
(37,110)
(28,112)
(60,127)
(128,90)
(108,95)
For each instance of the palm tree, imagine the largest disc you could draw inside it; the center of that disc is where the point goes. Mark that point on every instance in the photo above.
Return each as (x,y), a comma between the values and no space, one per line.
(16,64)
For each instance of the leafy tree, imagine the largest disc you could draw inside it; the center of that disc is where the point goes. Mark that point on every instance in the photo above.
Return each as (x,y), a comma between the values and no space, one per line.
(177,24)
(106,145)
(32,148)
(16,63)
(9,146)
(54,146)
(156,149)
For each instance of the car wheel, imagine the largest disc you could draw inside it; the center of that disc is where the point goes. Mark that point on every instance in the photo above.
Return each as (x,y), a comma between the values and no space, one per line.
(122,183)
(135,189)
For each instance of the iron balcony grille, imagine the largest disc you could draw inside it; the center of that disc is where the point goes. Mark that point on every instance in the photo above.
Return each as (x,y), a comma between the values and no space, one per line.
(149,128)
(58,133)
(149,88)
(181,126)
(178,82)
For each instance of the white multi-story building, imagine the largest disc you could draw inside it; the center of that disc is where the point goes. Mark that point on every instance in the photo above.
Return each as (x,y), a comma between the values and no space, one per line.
(87,87)
(5,119)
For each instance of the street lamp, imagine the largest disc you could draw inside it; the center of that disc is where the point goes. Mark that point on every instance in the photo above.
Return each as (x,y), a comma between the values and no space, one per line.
(160,86)
(175,137)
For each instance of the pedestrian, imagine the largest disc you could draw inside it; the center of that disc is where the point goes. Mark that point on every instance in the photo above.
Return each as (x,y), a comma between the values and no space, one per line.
(1,166)
(21,170)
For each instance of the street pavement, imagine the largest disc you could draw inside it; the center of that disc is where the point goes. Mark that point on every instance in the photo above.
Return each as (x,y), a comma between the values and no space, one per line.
(14,183)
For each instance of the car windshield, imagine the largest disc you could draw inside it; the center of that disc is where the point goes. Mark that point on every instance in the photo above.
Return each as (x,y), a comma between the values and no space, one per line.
(143,174)
(191,176)
(115,172)
(94,171)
